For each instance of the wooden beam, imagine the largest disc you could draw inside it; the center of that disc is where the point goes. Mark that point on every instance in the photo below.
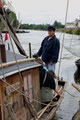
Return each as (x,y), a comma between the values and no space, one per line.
(13,35)
(76,87)
(18,61)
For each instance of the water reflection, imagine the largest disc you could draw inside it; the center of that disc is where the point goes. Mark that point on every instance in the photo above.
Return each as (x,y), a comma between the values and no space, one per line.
(77,73)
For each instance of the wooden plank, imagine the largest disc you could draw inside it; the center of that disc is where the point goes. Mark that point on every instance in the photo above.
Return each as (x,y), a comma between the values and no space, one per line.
(15,98)
(29,103)
(18,61)
(36,88)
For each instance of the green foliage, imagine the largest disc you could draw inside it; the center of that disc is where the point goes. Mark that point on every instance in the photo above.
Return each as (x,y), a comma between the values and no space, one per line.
(77,32)
(41,26)
(58,25)
(13,19)
(34,26)
(3,2)
(69,31)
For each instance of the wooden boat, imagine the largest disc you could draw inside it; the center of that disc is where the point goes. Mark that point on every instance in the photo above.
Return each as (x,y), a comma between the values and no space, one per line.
(10,98)
(20,97)
(50,110)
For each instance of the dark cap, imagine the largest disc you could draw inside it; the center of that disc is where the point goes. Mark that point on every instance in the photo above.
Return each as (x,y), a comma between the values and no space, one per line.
(51,28)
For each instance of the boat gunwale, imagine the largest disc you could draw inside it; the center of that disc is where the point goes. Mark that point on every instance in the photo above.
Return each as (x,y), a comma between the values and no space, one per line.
(51,114)
(59,102)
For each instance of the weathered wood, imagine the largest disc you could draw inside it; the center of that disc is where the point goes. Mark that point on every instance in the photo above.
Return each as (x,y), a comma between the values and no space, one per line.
(50,115)
(3,53)
(15,98)
(33,108)
(10,111)
(53,112)
(48,105)
(1,97)
(18,61)
(76,87)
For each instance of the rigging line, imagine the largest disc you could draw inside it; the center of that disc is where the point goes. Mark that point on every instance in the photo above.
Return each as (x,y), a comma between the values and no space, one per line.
(26,96)
(72,52)
(16,59)
(63,38)
(72,94)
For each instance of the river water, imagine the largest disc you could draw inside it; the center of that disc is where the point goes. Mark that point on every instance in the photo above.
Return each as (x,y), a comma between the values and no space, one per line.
(69,105)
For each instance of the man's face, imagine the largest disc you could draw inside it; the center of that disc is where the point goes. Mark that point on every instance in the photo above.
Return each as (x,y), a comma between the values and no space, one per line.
(51,33)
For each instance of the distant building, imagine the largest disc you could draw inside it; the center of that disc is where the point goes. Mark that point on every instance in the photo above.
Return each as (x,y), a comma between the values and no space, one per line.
(70,25)
(75,24)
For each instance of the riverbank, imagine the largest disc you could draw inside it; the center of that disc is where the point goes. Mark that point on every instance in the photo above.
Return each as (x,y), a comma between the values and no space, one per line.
(70,31)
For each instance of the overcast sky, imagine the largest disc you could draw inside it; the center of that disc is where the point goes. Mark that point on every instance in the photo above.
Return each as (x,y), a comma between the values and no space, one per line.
(45,11)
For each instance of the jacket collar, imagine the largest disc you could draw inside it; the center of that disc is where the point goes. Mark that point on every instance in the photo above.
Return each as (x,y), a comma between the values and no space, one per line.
(52,37)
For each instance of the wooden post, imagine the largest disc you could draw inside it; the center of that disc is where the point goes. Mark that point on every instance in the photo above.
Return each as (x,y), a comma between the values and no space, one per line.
(3,53)
(30,55)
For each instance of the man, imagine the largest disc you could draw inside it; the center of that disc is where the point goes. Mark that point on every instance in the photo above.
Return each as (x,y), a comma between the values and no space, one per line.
(49,49)
(47,85)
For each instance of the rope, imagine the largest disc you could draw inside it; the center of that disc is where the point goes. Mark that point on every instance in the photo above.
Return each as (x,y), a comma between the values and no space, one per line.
(71,94)
(63,38)
(16,59)
(13,51)
(26,96)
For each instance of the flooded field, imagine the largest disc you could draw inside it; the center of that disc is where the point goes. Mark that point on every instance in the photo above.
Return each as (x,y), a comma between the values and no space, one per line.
(71,53)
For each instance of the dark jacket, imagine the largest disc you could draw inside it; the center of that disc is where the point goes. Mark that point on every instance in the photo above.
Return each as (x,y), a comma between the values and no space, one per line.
(49,81)
(49,50)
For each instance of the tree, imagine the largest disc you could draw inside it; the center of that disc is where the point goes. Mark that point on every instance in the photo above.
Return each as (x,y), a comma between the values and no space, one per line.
(58,25)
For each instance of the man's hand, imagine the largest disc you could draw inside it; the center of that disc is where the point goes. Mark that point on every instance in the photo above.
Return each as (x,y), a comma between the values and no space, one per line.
(35,55)
(62,96)
(51,63)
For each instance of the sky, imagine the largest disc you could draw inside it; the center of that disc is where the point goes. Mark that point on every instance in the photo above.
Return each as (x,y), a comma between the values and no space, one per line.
(45,11)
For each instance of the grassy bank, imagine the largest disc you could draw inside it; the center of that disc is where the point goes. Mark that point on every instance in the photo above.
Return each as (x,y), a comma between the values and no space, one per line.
(70,31)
